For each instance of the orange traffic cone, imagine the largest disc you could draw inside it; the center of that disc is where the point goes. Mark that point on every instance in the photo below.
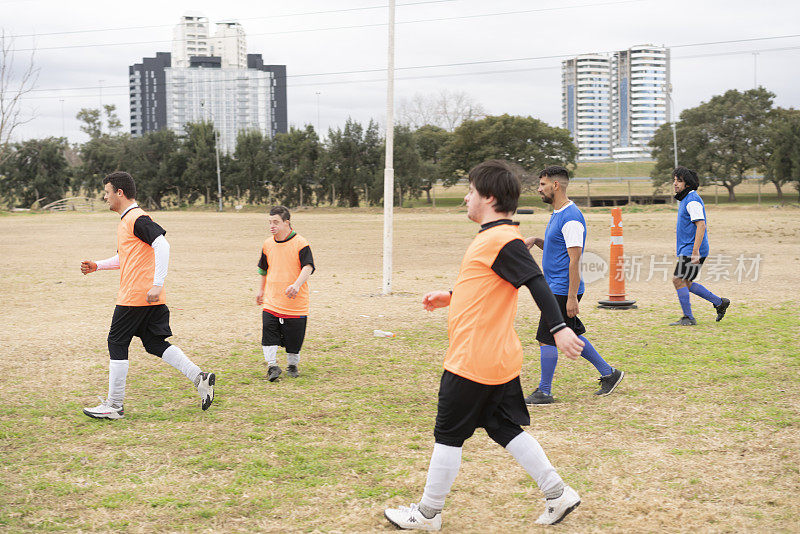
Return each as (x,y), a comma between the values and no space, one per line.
(616,275)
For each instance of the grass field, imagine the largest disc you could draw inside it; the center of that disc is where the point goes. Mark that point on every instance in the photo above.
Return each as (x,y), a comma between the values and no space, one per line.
(702,435)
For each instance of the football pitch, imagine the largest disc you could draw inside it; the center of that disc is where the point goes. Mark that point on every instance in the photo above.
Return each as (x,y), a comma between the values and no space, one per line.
(702,435)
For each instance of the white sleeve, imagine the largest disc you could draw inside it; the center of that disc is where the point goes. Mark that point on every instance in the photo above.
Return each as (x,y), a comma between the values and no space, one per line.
(695,211)
(161,249)
(573,234)
(108,264)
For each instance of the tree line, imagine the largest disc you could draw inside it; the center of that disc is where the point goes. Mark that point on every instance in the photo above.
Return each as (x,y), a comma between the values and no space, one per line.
(732,136)
(296,168)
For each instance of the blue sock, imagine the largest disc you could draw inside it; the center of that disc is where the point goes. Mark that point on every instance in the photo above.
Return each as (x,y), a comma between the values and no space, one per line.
(592,356)
(702,292)
(686,306)
(549,359)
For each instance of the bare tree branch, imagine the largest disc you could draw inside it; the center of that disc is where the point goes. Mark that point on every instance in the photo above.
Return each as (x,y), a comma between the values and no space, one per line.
(14,85)
(446,110)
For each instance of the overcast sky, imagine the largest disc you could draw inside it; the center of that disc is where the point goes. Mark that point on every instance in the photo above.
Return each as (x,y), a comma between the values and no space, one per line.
(93,65)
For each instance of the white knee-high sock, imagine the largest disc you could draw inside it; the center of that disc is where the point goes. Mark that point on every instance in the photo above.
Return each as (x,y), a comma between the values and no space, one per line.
(292,358)
(445,463)
(177,359)
(530,455)
(270,354)
(117,373)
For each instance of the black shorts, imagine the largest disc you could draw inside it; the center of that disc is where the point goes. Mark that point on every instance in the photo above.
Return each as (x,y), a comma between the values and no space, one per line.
(465,405)
(543,334)
(686,270)
(287,332)
(149,323)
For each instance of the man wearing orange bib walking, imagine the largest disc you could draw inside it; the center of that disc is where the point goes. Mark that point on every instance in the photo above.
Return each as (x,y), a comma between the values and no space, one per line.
(480,386)
(284,267)
(143,259)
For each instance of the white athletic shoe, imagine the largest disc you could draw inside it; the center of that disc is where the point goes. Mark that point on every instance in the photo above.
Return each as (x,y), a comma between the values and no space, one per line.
(410,518)
(557,509)
(206,389)
(105,410)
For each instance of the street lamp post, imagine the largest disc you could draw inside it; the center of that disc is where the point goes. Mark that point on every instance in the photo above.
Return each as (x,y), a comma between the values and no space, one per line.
(219,175)
(672,123)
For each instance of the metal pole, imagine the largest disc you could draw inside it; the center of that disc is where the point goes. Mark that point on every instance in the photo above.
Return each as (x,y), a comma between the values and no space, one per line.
(675,144)
(388,172)
(219,176)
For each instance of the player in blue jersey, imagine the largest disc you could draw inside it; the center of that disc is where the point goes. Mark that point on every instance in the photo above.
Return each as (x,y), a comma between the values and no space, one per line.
(692,247)
(562,246)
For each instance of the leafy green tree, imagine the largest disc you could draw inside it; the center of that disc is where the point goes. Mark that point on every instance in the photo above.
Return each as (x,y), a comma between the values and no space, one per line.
(351,163)
(92,123)
(36,172)
(200,176)
(100,156)
(297,155)
(157,164)
(722,139)
(92,119)
(253,166)
(528,142)
(784,163)
(407,165)
(430,141)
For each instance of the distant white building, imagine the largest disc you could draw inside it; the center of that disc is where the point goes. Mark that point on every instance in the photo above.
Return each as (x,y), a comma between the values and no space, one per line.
(208,79)
(190,38)
(613,104)
(229,43)
(586,104)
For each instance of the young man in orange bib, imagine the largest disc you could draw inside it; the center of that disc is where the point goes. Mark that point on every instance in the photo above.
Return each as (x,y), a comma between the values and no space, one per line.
(480,386)
(143,259)
(284,267)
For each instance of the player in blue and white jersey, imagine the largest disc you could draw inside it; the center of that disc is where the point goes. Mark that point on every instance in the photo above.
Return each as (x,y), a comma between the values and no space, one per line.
(563,244)
(691,247)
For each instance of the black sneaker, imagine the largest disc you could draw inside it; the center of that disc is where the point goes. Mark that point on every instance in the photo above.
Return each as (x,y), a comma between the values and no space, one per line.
(722,308)
(684,321)
(273,373)
(292,371)
(539,397)
(609,383)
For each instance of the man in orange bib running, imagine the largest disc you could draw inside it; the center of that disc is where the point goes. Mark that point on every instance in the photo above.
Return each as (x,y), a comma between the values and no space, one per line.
(142,258)
(480,386)
(284,267)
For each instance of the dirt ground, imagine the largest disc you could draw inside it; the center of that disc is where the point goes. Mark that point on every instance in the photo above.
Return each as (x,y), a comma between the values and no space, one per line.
(54,322)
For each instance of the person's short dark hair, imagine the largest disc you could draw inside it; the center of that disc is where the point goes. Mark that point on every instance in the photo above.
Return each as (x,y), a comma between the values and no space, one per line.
(122,180)
(687,176)
(556,172)
(499,179)
(283,211)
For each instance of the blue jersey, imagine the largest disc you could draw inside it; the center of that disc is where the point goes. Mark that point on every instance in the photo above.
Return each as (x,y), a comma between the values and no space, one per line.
(555,259)
(685,229)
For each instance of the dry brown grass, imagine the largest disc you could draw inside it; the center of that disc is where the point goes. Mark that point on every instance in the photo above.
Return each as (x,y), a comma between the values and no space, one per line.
(703,434)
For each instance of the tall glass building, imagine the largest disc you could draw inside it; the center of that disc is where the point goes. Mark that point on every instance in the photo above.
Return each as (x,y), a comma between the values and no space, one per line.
(614,103)
(208,79)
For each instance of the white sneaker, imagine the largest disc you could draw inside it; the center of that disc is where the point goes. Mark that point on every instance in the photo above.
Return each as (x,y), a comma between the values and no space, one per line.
(206,389)
(105,410)
(410,518)
(557,509)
